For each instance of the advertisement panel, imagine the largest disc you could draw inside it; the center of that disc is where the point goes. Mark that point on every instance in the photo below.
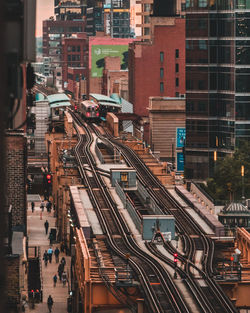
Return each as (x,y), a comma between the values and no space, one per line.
(99,52)
(180,137)
(180,162)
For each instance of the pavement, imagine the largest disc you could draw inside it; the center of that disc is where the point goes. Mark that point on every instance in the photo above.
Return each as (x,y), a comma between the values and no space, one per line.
(38,237)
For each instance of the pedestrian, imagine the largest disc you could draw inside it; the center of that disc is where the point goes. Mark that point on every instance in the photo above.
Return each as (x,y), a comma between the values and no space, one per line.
(32,206)
(62,247)
(48,206)
(50,303)
(57,252)
(60,271)
(55,280)
(45,257)
(42,205)
(64,278)
(63,262)
(51,237)
(50,253)
(46,226)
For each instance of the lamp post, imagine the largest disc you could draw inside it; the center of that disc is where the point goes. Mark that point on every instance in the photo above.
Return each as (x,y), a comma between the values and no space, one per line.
(243,183)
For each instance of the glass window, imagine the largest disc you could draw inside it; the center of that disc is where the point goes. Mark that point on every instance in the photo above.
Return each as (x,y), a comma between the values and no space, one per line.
(202,45)
(177,53)
(146,30)
(177,82)
(202,3)
(177,68)
(161,87)
(73,48)
(161,56)
(161,72)
(78,48)
(146,19)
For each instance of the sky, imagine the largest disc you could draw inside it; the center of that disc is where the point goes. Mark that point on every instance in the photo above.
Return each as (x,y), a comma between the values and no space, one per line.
(44,9)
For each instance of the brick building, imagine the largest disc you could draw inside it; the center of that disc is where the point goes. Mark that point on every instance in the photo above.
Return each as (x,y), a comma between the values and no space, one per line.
(99,48)
(54,32)
(75,61)
(16,165)
(157,67)
(16,205)
(114,79)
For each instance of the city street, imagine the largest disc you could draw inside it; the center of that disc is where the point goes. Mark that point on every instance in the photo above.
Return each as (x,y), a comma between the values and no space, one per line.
(37,237)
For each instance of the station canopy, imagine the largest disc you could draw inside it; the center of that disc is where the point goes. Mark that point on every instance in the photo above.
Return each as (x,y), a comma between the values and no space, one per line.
(58,100)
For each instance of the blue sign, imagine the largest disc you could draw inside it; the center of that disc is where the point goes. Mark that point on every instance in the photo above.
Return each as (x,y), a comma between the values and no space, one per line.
(180,137)
(180,162)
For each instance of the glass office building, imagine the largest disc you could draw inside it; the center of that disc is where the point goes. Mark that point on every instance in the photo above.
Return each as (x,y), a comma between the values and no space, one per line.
(217,81)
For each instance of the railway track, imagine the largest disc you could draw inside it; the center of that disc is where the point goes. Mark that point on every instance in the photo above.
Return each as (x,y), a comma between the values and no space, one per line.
(159,289)
(192,234)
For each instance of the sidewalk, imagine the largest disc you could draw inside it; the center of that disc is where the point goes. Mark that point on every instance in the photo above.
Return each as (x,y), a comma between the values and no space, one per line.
(37,237)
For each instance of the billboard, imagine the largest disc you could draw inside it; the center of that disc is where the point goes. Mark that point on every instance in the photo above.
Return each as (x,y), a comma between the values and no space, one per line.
(180,162)
(180,137)
(99,52)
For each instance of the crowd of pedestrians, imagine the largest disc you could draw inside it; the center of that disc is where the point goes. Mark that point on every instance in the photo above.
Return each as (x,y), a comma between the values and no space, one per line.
(52,254)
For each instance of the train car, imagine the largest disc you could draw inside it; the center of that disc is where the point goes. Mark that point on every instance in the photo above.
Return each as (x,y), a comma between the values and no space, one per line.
(106,104)
(89,110)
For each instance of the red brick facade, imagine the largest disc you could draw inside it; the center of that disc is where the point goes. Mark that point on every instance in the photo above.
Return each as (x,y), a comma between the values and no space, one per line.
(157,68)
(16,166)
(113,78)
(75,61)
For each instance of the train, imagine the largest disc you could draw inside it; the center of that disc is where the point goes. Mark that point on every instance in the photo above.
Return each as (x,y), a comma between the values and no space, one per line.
(89,110)
(106,104)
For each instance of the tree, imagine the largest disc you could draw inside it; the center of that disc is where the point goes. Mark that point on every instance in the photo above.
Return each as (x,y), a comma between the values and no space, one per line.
(227,181)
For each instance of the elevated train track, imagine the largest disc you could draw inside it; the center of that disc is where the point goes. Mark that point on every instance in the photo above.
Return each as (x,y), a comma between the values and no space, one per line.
(192,234)
(159,289)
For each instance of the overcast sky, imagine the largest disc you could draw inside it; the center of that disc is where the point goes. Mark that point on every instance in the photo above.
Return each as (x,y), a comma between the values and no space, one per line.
(44,9)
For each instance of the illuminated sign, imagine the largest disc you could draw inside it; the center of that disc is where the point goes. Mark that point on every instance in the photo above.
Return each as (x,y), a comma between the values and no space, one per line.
(180,137)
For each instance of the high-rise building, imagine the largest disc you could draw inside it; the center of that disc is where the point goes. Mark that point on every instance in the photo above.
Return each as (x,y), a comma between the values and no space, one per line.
(217,79)
(69,9)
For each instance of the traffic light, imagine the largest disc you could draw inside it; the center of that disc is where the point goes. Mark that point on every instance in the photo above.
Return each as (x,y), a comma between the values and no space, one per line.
(49,179)
(175,258)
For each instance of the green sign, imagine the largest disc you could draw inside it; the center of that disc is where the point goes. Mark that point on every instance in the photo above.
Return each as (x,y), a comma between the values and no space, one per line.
(99,52)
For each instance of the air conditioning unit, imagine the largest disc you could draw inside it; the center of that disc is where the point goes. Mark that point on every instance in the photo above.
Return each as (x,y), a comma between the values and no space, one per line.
(183,96)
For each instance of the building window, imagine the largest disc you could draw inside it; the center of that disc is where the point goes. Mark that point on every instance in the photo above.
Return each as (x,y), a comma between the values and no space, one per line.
(177,94)
(161,72)
(78,48)
(177,53)
(177,82)
(176,68)
(202,45)
(146,31)
(69,57)
(161,87)
(202,3)
(161,57)
(146,19)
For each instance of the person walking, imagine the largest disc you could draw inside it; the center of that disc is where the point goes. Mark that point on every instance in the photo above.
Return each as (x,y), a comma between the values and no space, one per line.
(48,206)
(50,253)
(42,205)
(32,206)
(60,271)
(46,226)
(57,252)
(55,280)
(45,257)
(64,278)
(51,237)
(50,303)
(63,262)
